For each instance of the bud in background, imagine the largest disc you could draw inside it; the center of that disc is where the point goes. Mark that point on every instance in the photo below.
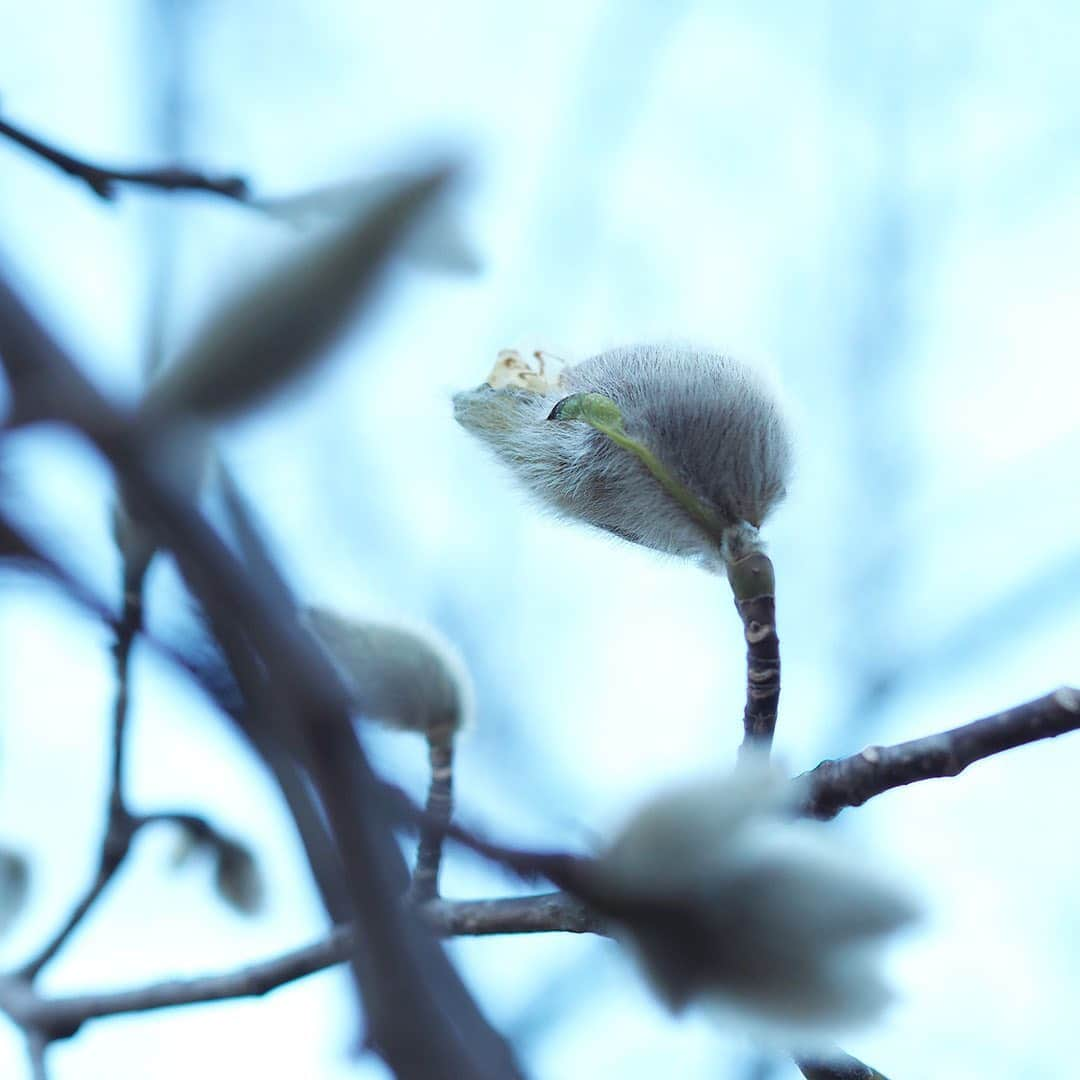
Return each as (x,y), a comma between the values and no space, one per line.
(727,901)
(706,420)
(14,886)
(410,680)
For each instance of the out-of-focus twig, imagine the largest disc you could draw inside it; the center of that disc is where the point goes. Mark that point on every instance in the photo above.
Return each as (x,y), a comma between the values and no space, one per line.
(62,1016)
(103,181)
(417,1009)
(121,825)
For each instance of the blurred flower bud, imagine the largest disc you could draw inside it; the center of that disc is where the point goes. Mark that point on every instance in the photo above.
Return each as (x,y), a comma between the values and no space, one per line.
(402,678)
(14,886)
(237,877)
(730,902)
(700,419)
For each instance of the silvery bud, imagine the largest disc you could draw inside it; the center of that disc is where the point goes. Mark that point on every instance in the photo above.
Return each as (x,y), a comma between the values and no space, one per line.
(402,678)
(413,681)
(734,904)
(707,421)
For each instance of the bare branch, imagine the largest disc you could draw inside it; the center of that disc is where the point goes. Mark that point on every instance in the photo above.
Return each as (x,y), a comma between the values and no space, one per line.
(102,181)
(120,826)
(46,1019)
(417,1008)
(852,781)
(19,551)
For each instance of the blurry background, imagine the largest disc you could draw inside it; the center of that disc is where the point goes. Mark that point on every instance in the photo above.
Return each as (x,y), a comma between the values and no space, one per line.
(876,203)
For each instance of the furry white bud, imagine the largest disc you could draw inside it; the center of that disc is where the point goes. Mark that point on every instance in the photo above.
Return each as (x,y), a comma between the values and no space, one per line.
(755,914)
(398,677)
(706,420)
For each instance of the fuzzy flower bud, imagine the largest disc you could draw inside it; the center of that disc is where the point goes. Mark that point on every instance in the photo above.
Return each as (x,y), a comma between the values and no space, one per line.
(708,451)
(732,903)
(397,677)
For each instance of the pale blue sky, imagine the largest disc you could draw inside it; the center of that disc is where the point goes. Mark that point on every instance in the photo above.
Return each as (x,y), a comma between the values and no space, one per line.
(874,203)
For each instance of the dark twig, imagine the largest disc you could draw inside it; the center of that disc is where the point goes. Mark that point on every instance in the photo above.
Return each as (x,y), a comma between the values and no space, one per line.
(20,552)
(407,984)
(102,181)
(62,1017)
(559,868)
(260,564)
(851,781)
(195,825)
(753,582)
(837,1066)
(120,825)
(256,699)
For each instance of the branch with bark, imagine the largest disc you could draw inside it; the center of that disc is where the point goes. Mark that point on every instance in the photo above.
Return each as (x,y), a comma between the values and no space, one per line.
(753,581)
(852,781)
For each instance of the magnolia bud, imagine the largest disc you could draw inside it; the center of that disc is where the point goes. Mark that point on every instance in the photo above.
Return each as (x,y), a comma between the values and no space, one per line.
(397,677)
(709,449)
(732,903)
(412,681)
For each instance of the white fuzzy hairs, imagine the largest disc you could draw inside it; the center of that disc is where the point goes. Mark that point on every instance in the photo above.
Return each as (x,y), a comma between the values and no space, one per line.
(709,420)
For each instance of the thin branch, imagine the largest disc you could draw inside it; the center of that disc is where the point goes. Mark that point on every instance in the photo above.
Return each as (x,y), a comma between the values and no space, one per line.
(120,825)
(102,181)
(416,1006)
(851,781)
(20,552)
(62,1017)
(48,1019)
(130,624)
(560,868)
(538,914)
(198,828)
(49,950)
